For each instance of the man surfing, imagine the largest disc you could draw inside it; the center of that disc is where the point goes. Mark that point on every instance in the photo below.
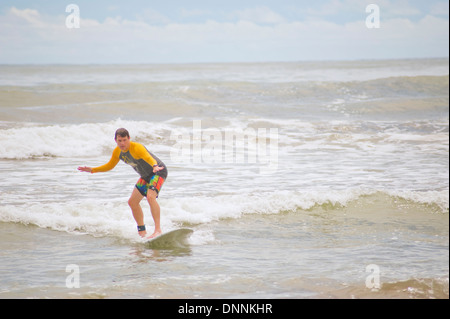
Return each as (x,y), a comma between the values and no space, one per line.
(153,173)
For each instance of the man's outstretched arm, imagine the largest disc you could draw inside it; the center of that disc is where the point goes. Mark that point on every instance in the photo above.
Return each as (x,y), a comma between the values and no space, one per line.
(106,167)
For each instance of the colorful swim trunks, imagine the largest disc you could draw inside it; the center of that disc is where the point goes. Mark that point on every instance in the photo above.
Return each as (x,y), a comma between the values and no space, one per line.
(155,184)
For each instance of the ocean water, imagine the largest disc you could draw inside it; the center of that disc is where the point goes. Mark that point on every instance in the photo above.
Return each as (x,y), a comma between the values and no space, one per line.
(300,180)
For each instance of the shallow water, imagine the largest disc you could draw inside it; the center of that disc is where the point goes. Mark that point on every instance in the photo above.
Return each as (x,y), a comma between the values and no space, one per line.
(300,180)
(318,253)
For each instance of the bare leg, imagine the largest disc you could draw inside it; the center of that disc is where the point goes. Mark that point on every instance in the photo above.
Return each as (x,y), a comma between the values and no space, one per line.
(134,203)
(156,212)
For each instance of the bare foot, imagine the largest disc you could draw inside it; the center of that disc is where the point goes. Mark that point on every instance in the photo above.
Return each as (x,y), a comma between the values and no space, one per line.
(155,234)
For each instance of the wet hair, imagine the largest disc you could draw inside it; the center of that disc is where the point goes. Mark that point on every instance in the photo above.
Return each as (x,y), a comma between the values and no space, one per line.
(122,133)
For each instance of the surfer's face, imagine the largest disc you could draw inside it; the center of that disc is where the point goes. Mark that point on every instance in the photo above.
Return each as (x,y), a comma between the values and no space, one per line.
(123,143)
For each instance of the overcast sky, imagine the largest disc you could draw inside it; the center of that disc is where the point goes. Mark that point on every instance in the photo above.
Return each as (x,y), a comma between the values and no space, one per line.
(138,31)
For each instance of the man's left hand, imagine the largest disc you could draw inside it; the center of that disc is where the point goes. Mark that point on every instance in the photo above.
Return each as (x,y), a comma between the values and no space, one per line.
(156,169)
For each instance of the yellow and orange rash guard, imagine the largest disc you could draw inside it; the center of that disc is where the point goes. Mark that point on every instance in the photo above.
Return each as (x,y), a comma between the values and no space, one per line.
(138,157)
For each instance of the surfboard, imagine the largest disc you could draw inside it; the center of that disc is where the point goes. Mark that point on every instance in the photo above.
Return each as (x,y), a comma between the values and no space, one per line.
(177,238)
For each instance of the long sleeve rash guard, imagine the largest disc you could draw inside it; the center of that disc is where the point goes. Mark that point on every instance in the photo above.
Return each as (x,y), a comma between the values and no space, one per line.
(138,157)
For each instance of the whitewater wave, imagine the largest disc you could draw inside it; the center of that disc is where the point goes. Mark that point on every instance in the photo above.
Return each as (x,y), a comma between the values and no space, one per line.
(31,140)
(113,218)
(75,140)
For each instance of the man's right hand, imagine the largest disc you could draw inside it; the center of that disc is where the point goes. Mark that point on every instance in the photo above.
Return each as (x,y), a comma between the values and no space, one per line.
(85,169)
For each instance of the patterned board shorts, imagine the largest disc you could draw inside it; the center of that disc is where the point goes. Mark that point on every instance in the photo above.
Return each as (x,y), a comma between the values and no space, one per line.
(155,184)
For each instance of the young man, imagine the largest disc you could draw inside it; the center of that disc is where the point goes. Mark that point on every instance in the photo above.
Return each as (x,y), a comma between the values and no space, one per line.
(153,173)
